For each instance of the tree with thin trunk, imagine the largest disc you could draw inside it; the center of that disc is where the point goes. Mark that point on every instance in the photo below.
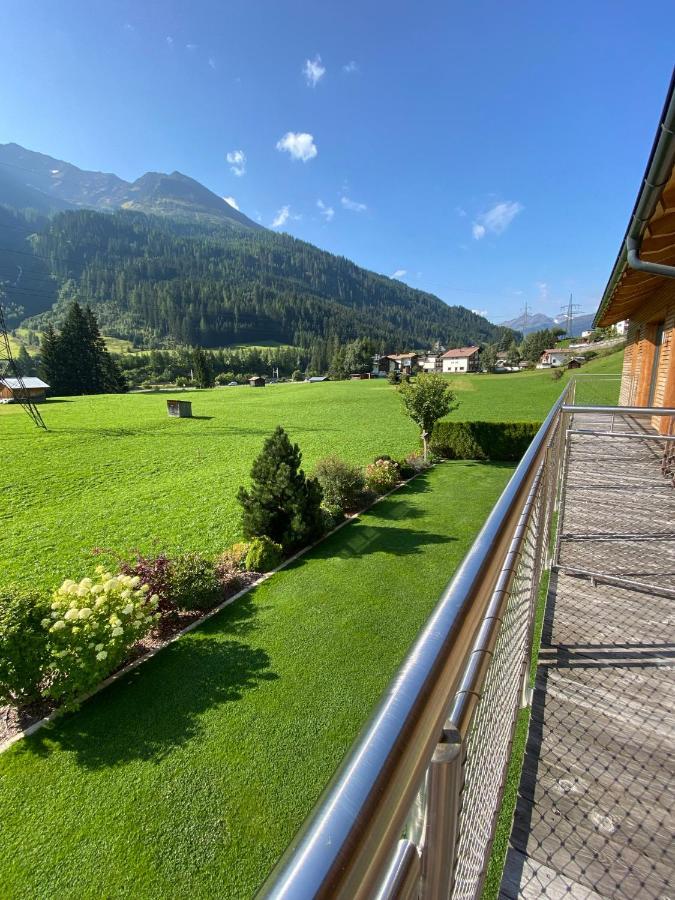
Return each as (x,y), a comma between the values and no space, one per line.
(426,400)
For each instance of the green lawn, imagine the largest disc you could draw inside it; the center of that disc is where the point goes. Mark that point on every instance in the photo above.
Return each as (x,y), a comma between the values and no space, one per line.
(189,777)
(116,472)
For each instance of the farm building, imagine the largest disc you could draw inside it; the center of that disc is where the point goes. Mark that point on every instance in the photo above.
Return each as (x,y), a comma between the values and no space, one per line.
(36,389)
(257,381)
(550,359)
(405,363)
(179,409)
(463,359)
(641,287)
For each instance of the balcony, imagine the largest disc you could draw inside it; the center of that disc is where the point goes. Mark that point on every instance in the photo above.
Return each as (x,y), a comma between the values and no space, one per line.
(584,535)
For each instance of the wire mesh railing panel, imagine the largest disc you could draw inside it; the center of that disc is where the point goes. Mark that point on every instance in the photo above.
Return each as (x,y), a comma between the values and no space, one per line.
(597,390)
(488,742)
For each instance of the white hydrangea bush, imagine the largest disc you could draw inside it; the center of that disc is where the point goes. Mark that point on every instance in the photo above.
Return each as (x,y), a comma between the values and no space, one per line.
(91,628)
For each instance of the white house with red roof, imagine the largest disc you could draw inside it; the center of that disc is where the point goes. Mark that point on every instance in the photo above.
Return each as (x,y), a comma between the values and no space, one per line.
(462,359)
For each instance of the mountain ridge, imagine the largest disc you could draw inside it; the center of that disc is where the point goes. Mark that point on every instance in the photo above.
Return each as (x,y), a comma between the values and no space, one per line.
(58,185)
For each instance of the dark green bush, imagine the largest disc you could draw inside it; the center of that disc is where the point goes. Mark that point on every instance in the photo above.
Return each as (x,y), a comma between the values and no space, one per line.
(194,582)
(23,644)
(505,441)
(281,503)
(342,483)
(263,555)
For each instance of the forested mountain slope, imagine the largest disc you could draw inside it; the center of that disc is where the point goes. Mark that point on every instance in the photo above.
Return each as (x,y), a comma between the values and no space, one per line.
(157,280)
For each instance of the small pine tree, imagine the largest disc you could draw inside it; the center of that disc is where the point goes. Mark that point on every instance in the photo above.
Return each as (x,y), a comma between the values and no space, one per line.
(282,504)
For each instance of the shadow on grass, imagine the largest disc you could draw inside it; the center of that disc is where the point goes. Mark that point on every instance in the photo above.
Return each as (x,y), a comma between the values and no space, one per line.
(157,708)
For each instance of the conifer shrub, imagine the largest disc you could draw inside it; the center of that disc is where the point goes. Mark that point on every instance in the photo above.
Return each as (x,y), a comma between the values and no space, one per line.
(91,628)
(23,644)
(342,483)
(281,503)
(263,555)
(195,584)
(382,476)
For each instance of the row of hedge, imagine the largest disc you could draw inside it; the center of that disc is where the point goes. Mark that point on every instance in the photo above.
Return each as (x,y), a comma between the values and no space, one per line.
(494,441)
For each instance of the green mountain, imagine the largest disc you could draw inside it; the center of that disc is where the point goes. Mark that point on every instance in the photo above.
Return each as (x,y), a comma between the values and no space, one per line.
(164,260)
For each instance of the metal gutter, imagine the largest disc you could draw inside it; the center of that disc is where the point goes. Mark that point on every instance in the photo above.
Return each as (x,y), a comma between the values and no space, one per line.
(658,171)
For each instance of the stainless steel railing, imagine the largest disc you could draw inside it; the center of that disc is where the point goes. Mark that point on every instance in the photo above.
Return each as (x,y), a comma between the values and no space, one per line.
(412,810)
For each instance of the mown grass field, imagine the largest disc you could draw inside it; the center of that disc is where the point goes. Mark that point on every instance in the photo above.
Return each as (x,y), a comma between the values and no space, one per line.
(189,777)
(116,472)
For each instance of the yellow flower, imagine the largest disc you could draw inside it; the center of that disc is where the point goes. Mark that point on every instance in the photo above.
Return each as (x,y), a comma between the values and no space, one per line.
(117,631)
(101,655)
(58,626)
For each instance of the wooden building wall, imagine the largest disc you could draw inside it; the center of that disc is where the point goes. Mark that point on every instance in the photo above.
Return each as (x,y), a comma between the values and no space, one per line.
(641,348)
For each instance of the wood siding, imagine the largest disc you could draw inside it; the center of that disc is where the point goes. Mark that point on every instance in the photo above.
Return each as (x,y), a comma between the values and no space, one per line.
(641,351)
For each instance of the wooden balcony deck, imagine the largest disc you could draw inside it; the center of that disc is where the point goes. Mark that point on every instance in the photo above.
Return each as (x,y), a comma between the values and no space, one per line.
(595,812)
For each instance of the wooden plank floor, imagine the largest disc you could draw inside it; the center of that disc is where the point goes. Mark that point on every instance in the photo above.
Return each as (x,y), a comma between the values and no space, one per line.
(595,812)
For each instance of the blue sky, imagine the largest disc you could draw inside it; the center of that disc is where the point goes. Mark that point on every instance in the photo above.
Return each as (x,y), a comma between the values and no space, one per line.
(489,152)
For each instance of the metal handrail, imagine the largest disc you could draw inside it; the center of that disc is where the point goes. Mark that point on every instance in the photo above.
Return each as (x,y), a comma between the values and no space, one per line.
(345,846)
(621,410)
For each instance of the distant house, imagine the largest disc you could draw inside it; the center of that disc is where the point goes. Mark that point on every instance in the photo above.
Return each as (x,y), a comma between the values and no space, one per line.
(257,381)
(463,359)
(574,363)
(550,359)
(622,327)
(316,378)
(432,362)
(405,363)
(36,389)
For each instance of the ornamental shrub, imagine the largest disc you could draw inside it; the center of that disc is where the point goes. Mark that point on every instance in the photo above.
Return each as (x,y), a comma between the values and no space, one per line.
(234,558)
(91,628)
(382,476)
(343,484)
(281,504)
(263,555)
(155,572)
(194,582)
(23,644)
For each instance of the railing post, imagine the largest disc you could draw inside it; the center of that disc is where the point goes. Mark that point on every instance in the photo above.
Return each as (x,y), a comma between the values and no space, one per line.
(444,786)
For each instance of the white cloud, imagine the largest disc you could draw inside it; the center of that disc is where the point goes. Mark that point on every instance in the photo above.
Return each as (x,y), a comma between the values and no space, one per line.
(480,312)
(353,205)
(191,47)
(54,171)
(313,71)
(326,211)
(169,42)
(299,144)
(350,67)
(237,161)
(283,216)
(212,62)
(399,273)
(497,219)
(542,287)
(233,203)
(461,212)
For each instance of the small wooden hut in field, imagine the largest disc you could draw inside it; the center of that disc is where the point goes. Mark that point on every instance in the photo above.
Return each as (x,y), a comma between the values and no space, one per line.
(179,409)
(257,381)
